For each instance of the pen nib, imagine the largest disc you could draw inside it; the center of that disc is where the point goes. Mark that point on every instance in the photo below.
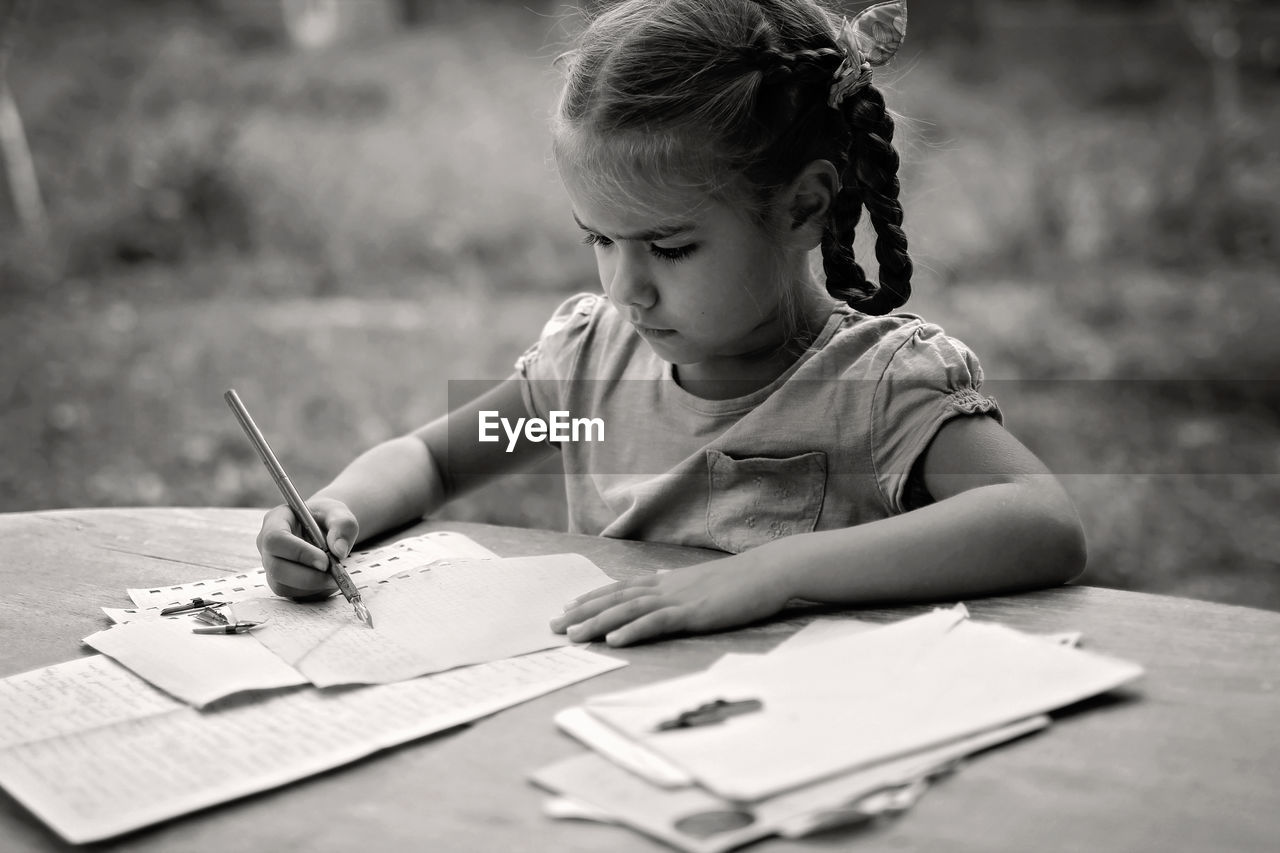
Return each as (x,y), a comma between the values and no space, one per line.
(363,612)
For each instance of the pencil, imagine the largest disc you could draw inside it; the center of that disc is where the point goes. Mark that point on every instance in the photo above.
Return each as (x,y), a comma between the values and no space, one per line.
(310,527)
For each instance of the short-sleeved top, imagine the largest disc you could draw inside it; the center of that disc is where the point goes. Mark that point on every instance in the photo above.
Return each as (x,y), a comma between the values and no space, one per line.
(830,443)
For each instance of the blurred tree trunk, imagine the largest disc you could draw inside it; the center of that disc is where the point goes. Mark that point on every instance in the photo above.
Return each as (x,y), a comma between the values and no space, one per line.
(1214,28)
(24,188)
(1229,213)
(314,24)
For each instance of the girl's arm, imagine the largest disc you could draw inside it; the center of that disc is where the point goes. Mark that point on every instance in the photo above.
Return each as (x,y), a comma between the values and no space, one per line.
(391,484)
(1001,523)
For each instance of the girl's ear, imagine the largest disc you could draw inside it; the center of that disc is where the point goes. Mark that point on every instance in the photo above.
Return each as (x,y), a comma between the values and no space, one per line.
(809,199)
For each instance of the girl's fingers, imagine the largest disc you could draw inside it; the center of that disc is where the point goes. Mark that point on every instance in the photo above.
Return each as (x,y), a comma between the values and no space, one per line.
(296,568)
(611,588)
(277,520)
(595,593)
(656,623)
(280,516)
(279,537)
(296,581)
(614,617)
(597,601)
(283,545)
(341,527)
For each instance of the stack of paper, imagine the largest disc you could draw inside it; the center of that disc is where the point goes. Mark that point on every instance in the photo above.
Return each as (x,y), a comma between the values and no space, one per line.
(103,745)
(850,724)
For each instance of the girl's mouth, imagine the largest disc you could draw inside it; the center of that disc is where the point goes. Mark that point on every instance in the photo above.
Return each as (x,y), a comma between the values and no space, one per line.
(648,332)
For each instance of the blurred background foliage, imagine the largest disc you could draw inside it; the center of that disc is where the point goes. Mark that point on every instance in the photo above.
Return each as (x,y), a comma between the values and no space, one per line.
(337,206)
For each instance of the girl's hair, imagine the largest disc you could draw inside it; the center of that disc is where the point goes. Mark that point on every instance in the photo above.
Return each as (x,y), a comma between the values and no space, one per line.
(722,96)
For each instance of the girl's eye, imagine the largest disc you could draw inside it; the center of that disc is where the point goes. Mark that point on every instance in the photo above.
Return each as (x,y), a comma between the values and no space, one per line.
(672,253)
(666,253)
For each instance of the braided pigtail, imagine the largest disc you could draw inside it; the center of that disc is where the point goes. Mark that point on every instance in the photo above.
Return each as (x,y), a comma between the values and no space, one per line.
(869,180)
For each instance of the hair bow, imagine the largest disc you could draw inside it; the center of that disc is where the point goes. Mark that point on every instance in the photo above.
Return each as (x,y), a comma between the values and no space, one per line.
(869,40)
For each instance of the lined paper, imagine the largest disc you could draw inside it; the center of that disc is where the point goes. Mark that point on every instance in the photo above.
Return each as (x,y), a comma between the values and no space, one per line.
(100,782)
(76,696)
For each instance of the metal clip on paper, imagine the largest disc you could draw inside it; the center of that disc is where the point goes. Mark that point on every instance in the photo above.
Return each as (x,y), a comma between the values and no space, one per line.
(194,604)
(214,620)
(709,713)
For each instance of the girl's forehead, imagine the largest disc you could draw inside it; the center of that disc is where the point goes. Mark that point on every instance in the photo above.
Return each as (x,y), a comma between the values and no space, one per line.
(649,174)
(623,204)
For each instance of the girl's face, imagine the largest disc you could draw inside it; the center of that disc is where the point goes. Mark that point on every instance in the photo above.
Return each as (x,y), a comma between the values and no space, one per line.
(700,282)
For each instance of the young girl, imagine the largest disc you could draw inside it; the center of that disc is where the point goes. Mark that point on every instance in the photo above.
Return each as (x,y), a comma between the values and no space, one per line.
(838,452)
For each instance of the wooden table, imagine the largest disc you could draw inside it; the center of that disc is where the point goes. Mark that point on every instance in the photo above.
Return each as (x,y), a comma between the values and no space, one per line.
(1188,759)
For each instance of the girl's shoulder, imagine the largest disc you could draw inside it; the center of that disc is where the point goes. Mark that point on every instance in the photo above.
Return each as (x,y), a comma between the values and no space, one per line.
(575,312)
(561,337)
(896,346)
(583,337)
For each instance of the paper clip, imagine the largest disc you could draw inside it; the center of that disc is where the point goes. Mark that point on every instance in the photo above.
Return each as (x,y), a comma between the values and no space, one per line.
(709,713)
(194,604)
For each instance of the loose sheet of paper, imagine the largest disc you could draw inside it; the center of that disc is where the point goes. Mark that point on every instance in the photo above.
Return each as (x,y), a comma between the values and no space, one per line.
(450,613)
(104,781)
(820,630)
(857,700)
(196,668)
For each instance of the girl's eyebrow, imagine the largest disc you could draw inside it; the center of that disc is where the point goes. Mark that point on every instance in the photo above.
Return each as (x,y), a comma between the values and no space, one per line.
(660,233)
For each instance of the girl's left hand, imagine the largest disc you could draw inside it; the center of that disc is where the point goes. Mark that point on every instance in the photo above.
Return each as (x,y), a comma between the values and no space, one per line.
(696,599)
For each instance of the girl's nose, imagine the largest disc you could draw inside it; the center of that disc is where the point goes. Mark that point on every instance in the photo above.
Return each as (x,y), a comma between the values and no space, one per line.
(630,286)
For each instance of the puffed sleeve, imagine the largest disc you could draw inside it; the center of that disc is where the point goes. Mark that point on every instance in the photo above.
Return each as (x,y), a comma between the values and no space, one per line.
(928,379)
(550,362)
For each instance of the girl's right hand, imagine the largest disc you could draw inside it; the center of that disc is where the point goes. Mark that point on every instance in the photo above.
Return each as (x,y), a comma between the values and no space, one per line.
(296,568)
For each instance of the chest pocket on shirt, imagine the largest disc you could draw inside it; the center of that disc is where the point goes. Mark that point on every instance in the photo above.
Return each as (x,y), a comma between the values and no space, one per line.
(758,499)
